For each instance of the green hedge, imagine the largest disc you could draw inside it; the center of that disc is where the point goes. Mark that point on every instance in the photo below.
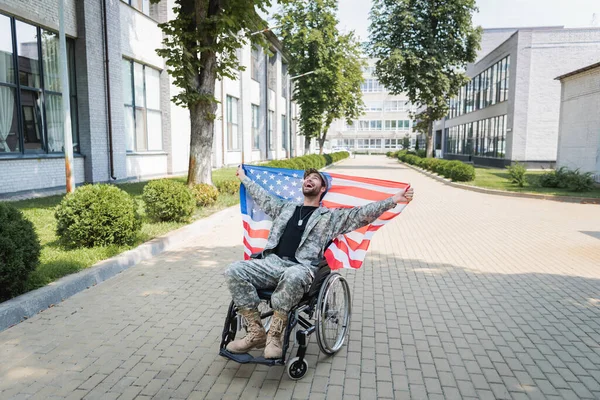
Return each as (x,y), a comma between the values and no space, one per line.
(565,178)
(316,161)
(19,251)
(455,170)
(97,215)
(168,200)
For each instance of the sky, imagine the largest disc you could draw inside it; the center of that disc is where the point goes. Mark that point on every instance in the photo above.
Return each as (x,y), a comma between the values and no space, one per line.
(353,14)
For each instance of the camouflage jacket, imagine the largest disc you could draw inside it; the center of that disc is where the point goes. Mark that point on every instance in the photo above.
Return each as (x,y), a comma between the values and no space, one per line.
(323,225)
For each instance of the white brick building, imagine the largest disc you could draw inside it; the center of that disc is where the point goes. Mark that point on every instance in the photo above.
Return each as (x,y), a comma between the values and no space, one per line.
(509,111)
(579,131)
(384,125)
(124,124)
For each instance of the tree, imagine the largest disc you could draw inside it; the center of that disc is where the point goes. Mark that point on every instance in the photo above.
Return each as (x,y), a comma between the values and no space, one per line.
(311,39)
(406,142)
(200,46)
(423,47)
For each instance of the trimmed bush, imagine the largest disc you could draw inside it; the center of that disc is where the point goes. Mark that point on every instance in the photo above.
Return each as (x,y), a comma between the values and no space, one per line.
(462,172)
(228,186)
(205,194)
(168,200)
(517,174)
(422,153)
(19,251)
(316,161)
(97,215)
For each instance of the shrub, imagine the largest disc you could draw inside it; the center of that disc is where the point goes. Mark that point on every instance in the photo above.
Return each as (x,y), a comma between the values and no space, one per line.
(446,168)
(97,215)
(422,153)
(462,172)
(517,174)
(168,200)
(316,161)
(565,178)
(19,251)
(205,194)
(228,186)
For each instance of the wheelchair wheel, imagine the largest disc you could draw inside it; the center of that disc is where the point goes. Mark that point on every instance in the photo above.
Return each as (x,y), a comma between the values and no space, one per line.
(263,308)
(296,368)
(333,314)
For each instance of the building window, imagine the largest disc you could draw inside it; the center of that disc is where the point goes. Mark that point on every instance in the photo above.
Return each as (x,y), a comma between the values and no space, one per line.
(371,85)
(143,117)
(284,80)
(272,71)
(233,137)
(31,116)
(270,122)
(140,5)
(483,138)
(284,138)
(255,136)
(488,88)
(254,63)
(374,106)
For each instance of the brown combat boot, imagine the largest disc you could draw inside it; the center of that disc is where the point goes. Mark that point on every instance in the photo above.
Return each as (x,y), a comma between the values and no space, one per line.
(274,347)
(256,337)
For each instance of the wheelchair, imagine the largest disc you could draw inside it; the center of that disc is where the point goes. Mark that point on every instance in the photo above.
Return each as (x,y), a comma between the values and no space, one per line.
(327,303)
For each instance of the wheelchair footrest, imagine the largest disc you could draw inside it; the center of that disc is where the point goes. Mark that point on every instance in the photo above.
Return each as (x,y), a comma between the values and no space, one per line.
(250,359)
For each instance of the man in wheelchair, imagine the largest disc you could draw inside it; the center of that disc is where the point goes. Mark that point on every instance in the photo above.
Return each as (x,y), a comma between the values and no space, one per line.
(298,236)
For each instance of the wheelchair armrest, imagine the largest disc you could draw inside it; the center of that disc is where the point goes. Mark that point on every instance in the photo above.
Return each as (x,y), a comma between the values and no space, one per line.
(319,263)
(256,256)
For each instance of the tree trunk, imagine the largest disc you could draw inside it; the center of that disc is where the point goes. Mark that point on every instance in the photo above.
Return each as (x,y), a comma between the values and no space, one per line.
(429,148)
(322,142)
(307,144)
(201,139)
(202,117)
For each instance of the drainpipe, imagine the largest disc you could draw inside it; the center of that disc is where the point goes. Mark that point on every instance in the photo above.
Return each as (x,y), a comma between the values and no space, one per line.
(223,126)
(267,143)
(108,94)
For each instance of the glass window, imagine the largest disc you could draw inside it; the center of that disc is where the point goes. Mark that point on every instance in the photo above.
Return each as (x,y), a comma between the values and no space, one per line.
(32,122)
(254,63)
(143,116)
(270,123)
(255,119)
(284,138)
(140,5)
(28,52)
(363,125)
(233,140)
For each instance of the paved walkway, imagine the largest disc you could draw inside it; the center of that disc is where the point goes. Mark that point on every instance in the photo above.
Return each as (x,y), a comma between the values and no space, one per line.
(466,295)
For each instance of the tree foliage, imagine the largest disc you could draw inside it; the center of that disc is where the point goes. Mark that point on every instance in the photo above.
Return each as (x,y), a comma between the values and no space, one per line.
(313,42)
(422,48)
(200,46)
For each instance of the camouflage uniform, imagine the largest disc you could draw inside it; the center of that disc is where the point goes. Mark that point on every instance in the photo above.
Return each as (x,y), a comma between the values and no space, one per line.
(293,279)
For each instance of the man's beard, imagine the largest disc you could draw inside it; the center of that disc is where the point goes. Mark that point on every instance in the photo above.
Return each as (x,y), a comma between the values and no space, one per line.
(311,192)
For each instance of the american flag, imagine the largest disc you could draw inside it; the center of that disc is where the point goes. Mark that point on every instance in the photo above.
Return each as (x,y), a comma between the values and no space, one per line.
(346,251)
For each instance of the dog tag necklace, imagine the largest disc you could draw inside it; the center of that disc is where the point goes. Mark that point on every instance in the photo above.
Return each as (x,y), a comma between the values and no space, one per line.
(300,218)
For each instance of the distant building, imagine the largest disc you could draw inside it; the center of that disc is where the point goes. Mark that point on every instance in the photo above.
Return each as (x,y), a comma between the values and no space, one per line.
(579,130)
(509,111)
(384,125)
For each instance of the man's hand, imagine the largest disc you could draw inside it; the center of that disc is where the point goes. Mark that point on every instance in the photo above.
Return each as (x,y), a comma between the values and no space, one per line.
(404,197)
(240,173)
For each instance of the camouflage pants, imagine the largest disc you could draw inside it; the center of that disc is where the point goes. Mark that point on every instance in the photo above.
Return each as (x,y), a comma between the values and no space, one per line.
(290,280)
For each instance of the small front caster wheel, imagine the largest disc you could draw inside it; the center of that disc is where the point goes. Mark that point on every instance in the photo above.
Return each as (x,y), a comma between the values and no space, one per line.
(296,368)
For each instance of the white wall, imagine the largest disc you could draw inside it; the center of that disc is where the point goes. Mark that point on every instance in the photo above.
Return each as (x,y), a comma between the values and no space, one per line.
(579,136)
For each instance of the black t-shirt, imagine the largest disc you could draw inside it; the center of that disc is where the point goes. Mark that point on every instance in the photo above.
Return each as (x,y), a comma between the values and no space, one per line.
(290,239)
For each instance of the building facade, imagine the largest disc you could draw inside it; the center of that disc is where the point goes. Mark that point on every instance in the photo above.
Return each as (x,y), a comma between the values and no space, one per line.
(509,110)
(124,125)
(579,129)
(386,122)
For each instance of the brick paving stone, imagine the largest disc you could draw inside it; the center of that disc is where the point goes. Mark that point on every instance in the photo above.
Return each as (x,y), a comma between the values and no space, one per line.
(465,295)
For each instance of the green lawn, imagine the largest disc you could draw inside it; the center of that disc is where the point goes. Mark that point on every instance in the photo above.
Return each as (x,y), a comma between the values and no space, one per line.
(56,261)
(499,179)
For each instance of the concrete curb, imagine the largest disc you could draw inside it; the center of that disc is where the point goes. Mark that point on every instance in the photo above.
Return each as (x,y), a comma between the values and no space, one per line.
(563,199)
(29,304)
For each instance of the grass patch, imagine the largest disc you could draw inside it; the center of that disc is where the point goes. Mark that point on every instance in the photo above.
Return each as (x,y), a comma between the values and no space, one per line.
(56,261)
(499,179)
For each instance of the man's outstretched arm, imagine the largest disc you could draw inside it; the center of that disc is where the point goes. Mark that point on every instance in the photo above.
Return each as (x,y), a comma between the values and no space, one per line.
(271,205)
(350,219)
